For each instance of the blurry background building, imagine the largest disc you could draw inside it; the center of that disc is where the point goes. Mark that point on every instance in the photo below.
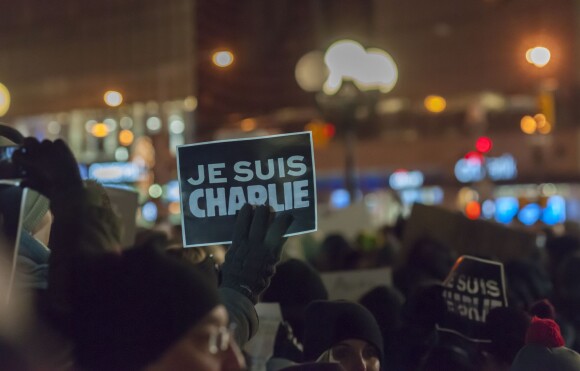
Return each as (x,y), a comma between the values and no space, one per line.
(484,108)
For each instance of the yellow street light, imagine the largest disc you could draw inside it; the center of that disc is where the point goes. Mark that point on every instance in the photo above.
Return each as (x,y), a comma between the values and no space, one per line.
(113,98)
(539,56)
(126,137)
(4,99)
(223,58)
(100,130)
(435,103)
(546,128)
(528,125)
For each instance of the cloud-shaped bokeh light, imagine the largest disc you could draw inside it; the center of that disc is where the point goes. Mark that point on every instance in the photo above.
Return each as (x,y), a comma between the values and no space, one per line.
(371,69)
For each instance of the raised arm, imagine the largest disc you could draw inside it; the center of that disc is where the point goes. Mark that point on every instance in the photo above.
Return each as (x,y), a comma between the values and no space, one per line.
(250,264)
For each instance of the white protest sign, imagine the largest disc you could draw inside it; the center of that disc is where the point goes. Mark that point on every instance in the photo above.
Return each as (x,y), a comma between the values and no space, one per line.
(261,346)
(352,285)
(217,178)
(473,288)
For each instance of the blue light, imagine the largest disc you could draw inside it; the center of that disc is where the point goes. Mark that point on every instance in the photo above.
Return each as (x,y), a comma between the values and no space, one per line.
(116,172)
(488,209)
(406,179)
(468,171)
(506,209)
(84,170)
(530,214)
(172,191)
(555,211)
(410,196)
(339,199)
(149,211)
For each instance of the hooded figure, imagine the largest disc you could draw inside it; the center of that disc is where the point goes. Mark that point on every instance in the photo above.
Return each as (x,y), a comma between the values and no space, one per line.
(343,332)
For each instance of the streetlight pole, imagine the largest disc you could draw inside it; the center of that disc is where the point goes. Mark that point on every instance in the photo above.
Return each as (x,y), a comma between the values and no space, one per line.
(355,76)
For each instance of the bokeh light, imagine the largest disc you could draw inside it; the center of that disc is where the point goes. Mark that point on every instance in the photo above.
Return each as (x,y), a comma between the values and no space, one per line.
(177,126)
(310,71)
(126,137)
(174,207)
(4,99)
(100,130)
(539,56)
(126,123)
(473,210)
(155,191)
(149,212)
(248,124)
(530,214)
(435,103)
(483,144)
(528,125)
(53,128)
(121,154)
(153,123)
(223,58)
(545,129)
(113,98)
(371,69)
(190,103)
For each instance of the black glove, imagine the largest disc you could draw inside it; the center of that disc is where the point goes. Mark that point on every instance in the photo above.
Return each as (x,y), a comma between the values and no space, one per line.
(256,248)
(49,167)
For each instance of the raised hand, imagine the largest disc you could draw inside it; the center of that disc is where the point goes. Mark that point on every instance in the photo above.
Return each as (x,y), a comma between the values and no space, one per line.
(49,167)
(256,248)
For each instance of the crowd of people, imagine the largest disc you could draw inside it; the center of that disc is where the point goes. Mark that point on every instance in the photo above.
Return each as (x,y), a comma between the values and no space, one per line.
(78,300)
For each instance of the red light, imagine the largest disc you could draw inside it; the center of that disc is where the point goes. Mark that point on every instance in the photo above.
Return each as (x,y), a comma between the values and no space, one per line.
(329,130)
(473,210)
(474,157)
(483,144)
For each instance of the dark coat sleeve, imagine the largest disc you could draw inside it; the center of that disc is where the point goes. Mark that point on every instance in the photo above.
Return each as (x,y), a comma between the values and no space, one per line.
(242,313)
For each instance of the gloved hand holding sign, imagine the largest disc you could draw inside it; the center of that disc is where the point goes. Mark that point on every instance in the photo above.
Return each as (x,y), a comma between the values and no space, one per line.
(256,249)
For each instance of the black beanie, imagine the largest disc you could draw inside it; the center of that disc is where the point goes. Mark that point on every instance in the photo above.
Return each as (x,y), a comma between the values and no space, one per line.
(506,328)
(330,322)
(130,309)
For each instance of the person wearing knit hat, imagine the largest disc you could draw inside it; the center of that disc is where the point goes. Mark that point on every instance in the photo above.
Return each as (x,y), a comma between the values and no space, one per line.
(506,328)
(545,350)
(344,332)
(146,310)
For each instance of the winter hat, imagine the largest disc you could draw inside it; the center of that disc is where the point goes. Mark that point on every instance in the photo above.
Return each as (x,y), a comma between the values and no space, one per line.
(545,350)
(295,285)
(330,322)
(131,308)
(386,304)
(506,327)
